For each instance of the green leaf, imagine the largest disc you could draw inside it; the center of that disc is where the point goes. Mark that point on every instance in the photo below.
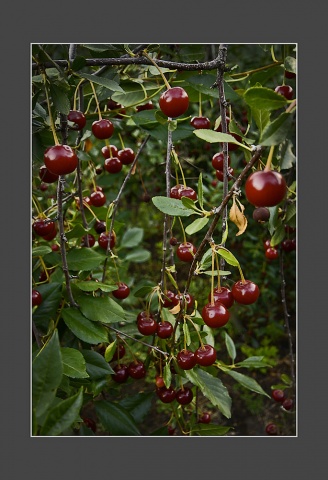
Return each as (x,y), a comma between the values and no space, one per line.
(261,118)
(83,328)
(188,203)
(63,415)
(139,256)
(212,136)
(105,82)
(290,64)
(110,350)
(287,158)
(138,405)
(212,388)
(96,365)
(203,83)
(229,257)
(132,237)
(116,419)
(167,375)
(186,333)
(47,372)
(84,259)
(78,63)
(209,339)
(196,225)
(245,381)
(253,362)
(41,251)
(51,297)
(92,286)
(73,363)
(286,379)
(77,231)
(101,309)
(133,94)
(263,98)
(60,99)
(172,206)
(273,219)
(209,430)
(278,235)
(277,131)
(230,346)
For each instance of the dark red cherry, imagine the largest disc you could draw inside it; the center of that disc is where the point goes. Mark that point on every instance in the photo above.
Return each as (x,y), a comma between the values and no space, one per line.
(104,239)
(174,192)
(146,323)
(278,395)
(137,369)
(288,404)
(187,192)
(102,129)
(261,214)
(174,102)
(51,235)
(164,329)
(43,226)
(122,292)
(126,156)
(205,355)
(100,226)
(36,298)
(109,151)
(204,418)
(189,300)
(60,159)
(245,292)
(97,198)
(112,105)
(78,118)
(46,176)
(186,252)
(184,396)
(43,187)
(119,352)
(223,295)
(285,90)
(289,74)
(219,174)
(146,106)
(121,373)
(265,188)
(287,245)
(186,359)
(216,315)
(169,299)
(218,161)
(200,122)
(113,165)
(267,243)
(271,253)
(271,429)
(166,395)
(88,243)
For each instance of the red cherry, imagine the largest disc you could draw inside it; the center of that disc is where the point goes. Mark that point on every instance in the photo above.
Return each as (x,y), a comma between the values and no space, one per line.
(43,187)
(278,395)
(102,129)
(288,404)
(246,292)
(169,299)
(97,199)
(219,174)
(218,161)
(100,226)
(55,247)
(289,74)
(216,315)
(287,245)
(173,241)
(121,373)
(166,395)
(186,359)
(174,192)
(119,352)
(91,240)
(189,300)
(271,429)
(289,229)
(224,295)
(77,118)
(46,176)
(104,239)
(90,424)
(267,243)
(204,418)
(205,356)
(113,165)
(159,382)
(109,151)
(164,329)
(51,235)
(126,156)
(186,252)
(122,292)
(60,159)
(36,298)
(146,106)
(112,105)
(174,102)
(285,90)
(200,122)
(265,188)
(137,369)
(184,396)
(187,192)
(271,253)
(43,227)
(146,323)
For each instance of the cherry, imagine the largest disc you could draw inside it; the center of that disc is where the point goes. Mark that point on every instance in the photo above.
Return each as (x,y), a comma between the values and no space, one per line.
(164,329)
(173,241)
(119,352)
(174,192)
(122,292)
(287,245)
(166,395)
(219,174)
(60,159)
(104,239)
(218,161)
(271,253)
(184,396)
(55,247)
(43,227)
(170,430)
(90,424)
(126,156)
(204,418)
(289,74)
(170,300)
(186,252)
(77,118)
(224,295)
(109,151)
(278,395)
(102,129)
(245,292)
(36,298)
(174,102)
(97,199)
(261,214)
(85,200)
(215,315)
(200,122)
(271,429)
(205,355)
(187,192)
(100,226)
(121,373)
(267,243)
(113,165)
(43,187)
(51,235)
(265,188)
(112,105)
(289,229)
(46,176)
(91,240)
(189,300)
(186,359)
(99,170)
(285,90)
(288,404)
(137,369)
(159,381)
(146,323)
(146,106)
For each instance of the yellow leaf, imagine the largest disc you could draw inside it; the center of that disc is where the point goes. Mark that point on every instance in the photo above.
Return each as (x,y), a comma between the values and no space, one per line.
(237,217)
(175,309)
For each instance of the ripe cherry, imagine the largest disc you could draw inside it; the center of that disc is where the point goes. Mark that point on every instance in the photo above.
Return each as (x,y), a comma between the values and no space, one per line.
(186,252)
(204,418)
(215,315)
(278,395)
(174,192)
(186,359)
(265,188)
(112,105)
(109,151)
(267,243)
(271,253)
(121,373)
(122,292)
(146,323)
(174,102)
(261,214)
(220,176)
(200,122)
(36,298)
(205,355)
(245,292)
(222,295)
(289,74)
(137,369)
(285,90)
(60,159)
(100,226)
(159,381)
(218,161)
(119,352)
(104,239)
(184,396)
(166,395)
(187,192)
(271,429)
(164,329)
(46,176)
(287,245)
(173,241)
(102,129)
(126,156)
(88,243)
(188,299)
(113,165)
(51,235)
(169,299)
(77,118)
(97,199)
(43,226)
(146,106)
(288,404)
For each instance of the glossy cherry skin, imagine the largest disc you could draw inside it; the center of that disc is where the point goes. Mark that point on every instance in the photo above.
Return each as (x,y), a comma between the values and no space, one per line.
(46,176)
(43,227)
(113,165)
(287,245)
(186,359)
(186,252)
(200,122)
(36,298)
(91,240)
(100,226)
(188,299)
(216,315)
(271,429)
(60,159)
(137,369)
(122,292)
(51,235)
(126,156)
(218,161)
(166,395)
(164,329)
(102,129)
(112,105)
(265,188)
(271,253)
(184,396)
(78,118)
(261,214)
(288,404)
(187,192)
(267,243)
(104,239)
(224,295)
(285,90)
(119,352)
(205,356)
(97,199)
(146,106)
(278,395)
(204,418)
(220,176)
(245,292)
(121,373)
(174,192)
(174,102)
(169,299)
(146,323)
(109,151)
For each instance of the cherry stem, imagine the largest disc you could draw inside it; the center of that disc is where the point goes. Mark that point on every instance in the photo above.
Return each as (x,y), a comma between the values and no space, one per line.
(121,140)
(52,125)
(183,231)
(218,270)
(144,53)
(241,274)
(212,277)
(176,158)
(198,334)
(269,160)
(38,207)
(96,99)
(200,104)
(76,93)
